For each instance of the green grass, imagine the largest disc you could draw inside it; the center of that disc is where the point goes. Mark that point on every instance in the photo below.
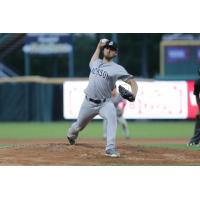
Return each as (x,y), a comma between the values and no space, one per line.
(138,129)
(155,129)
(32,130)
(5,145)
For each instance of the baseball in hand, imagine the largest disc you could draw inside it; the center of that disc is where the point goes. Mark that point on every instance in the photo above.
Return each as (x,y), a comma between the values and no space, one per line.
(103,41)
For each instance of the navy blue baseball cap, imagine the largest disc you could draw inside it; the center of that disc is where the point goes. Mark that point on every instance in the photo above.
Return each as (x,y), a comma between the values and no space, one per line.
(111,45)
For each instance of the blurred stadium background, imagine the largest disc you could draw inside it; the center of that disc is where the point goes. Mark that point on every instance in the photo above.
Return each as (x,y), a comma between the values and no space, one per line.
(42,75)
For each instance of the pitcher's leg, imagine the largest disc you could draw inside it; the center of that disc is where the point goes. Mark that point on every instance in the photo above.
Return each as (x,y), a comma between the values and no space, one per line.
(86,113)
(108,112)
(104,128)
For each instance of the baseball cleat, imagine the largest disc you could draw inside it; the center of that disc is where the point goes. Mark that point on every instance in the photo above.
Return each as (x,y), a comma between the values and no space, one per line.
(193,144)
(112,153)
(71,140)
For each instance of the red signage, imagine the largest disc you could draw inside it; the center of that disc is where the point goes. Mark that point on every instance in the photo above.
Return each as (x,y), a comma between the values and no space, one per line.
(192,105)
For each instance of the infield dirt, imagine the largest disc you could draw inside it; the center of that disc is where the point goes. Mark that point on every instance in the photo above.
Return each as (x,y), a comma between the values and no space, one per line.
(90,152)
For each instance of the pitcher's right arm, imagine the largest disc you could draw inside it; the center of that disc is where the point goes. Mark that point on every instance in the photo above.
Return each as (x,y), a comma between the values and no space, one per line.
(96,54)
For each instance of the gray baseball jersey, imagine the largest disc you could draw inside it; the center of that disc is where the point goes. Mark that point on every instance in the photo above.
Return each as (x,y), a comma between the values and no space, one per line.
(103,77)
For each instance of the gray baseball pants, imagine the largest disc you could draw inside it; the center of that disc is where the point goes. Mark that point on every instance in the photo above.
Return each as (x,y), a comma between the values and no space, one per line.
(88,111)
(121,121)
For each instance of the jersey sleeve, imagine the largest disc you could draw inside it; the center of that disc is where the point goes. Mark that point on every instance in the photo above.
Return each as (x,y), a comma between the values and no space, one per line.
(124,75)
(196,88)
(95,63)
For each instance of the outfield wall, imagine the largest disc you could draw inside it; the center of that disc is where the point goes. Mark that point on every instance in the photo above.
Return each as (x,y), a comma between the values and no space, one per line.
(31,99)
(45,99)
(155,100)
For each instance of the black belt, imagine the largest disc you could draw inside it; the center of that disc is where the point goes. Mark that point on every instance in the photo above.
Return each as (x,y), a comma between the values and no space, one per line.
(97,101)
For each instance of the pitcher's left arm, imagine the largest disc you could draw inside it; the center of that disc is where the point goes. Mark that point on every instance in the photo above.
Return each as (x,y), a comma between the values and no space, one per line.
(134,86)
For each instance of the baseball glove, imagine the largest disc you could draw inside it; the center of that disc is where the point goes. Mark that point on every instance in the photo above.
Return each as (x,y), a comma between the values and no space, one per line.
(126,94)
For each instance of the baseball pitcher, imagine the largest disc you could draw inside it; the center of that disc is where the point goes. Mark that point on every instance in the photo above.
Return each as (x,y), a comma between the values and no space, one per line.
(103,75)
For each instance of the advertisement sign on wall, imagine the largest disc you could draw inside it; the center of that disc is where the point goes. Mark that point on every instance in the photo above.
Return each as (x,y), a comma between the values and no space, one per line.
(155,100)
(159,100)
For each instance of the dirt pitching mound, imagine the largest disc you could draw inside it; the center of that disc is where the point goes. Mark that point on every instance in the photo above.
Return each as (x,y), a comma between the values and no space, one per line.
(91,152)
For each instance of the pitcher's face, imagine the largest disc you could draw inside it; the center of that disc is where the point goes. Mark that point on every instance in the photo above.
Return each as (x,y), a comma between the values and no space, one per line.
(109,53)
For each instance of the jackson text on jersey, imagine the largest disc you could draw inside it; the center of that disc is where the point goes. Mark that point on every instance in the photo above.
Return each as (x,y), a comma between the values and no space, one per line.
(100,72)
